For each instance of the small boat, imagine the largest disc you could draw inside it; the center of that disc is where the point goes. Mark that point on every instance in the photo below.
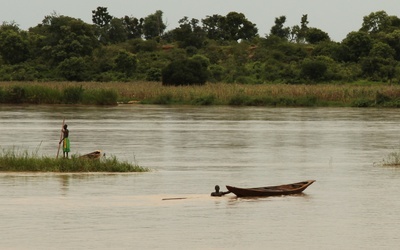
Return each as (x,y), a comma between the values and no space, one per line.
(93,155)
(287,189)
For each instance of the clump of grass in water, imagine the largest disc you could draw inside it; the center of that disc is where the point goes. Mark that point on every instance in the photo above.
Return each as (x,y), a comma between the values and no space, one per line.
(392,159)
(25,162)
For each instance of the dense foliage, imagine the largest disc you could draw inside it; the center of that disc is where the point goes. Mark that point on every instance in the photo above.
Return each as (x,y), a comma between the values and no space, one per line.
(223,48)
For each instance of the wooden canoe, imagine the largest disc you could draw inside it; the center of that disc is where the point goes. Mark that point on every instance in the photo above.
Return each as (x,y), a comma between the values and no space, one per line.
(287,189)
(93,155)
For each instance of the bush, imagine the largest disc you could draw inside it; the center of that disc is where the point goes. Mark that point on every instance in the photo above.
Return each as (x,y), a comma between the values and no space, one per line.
(184,72)
(74,69)
(126,63)
(153,75)
(313,70)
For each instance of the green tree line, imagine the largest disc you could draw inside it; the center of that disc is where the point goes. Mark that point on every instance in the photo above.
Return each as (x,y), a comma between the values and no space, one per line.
(214,49)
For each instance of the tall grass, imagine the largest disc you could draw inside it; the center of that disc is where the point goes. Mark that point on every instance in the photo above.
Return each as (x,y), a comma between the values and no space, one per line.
(392,159)
(22,161)
(355,95)
(56,93)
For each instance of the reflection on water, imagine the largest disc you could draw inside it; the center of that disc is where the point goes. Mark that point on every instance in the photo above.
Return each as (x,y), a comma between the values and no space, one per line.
(190,150)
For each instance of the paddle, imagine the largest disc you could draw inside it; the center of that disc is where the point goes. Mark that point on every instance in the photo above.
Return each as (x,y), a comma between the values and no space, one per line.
(61,136)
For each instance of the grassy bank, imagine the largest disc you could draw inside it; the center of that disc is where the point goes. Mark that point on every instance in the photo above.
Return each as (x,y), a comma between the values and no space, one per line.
(345,95)
(25,162)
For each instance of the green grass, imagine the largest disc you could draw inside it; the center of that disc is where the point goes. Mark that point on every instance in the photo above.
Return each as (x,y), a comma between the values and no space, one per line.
(16,161)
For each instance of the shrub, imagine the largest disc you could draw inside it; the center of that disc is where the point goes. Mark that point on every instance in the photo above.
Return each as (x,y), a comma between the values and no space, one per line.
(126,63)
(184,72)
(74,69)
(313,70)
(153,75)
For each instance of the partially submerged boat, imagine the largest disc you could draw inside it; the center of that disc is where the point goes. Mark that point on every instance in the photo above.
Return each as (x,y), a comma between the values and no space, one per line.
(286,189)
(93,155)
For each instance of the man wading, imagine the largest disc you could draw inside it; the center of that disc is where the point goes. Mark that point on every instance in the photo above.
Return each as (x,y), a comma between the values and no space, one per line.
(218,193)
(65,140)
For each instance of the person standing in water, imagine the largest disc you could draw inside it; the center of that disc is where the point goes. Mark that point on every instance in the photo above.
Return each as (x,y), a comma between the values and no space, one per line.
(65,140)
(218,193)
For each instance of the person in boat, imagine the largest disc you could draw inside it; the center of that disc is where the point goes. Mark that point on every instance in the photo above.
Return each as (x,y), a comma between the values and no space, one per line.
(65,140)
(218,193)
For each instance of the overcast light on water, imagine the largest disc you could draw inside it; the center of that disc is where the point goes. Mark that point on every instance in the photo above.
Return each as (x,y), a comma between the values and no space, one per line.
(352,205)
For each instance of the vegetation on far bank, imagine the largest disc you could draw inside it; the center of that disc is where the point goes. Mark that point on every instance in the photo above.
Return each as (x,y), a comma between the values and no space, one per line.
(360,94)
(218,48)
(15,161)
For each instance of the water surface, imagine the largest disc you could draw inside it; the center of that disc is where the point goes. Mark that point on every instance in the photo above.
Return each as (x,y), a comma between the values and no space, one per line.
(352,205)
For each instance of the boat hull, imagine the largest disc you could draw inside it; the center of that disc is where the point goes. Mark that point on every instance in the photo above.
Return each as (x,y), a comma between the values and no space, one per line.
(287,189)
(93,155)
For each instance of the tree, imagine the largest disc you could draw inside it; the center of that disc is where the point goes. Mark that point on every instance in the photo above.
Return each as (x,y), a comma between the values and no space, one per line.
(233,27)
(314,35)
(14,44)
(380,63)
(189,33)
(330,49)
(392,39)
(298,33)
(376,22)
(63,37)
(212,27)
(74,69)
(126,62)
(102,20)
(133,27)
(117,32)
(101,17)
(184,72)
(313,69)
(382,50)
(239,28)
(153,25)
(358,43)
(278,29)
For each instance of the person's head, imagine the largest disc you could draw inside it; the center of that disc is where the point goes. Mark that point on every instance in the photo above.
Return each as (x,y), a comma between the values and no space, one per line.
(65,126)
(217,188)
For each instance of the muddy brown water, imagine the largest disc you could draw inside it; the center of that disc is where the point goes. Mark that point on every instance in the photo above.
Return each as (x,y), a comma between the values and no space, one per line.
(354,203)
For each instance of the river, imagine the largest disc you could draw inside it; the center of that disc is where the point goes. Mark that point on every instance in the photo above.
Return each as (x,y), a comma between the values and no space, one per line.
(352,205)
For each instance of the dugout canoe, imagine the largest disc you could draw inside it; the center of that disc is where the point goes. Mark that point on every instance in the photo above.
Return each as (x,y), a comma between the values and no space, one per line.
(286,189)
(93,155)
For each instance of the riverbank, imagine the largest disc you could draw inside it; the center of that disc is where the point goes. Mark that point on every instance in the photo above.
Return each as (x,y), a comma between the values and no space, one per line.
(283,95)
